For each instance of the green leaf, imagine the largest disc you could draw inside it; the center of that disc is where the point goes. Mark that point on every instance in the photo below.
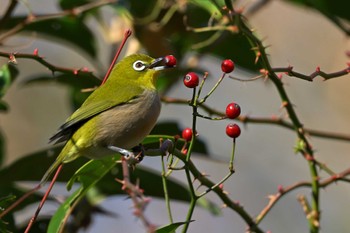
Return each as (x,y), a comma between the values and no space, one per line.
(8,73)
(4,202)
(80,81)
(88,175)
(76,82)
(327,7)
(229,4)
(335,11)
(68,29)
(3,227)
(212,7)
(170,228)
(22,169)
(210,206)
(69,4)
(3,106)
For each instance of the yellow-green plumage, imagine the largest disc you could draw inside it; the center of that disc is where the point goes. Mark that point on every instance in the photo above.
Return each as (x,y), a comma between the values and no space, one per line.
(119,113)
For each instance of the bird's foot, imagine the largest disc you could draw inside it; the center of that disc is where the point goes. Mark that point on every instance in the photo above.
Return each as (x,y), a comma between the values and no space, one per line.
(129,156)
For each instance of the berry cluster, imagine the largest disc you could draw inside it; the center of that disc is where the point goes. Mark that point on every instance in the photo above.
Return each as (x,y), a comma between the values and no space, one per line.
(233,110)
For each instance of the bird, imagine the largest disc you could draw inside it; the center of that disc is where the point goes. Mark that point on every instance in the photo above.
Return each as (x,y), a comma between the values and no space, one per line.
(118,114)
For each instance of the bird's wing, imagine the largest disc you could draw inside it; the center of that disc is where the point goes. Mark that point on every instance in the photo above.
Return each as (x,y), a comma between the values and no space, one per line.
(90,108)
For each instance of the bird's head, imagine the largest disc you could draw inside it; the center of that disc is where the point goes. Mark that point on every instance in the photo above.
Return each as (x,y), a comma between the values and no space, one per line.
(140,69)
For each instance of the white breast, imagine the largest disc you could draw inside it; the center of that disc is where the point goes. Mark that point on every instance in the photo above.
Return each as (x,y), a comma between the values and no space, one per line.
(127,125)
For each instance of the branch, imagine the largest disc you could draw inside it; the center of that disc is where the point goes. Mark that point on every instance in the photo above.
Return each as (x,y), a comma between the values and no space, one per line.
(204,181)
(13,59)
(261,120)
(274,198)
(289,71)
(30,19)
(136,194)
(8,13)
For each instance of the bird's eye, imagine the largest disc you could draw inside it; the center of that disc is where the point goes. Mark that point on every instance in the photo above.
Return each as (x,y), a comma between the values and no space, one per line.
(139,65)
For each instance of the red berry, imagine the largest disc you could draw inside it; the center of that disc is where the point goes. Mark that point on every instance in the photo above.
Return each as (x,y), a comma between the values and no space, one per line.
(233,110)
(227,66)
(191,80)
(187,134)
(233,130)
(170,60)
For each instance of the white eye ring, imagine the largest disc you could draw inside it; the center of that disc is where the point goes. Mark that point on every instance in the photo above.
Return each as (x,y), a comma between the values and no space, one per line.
(139,65)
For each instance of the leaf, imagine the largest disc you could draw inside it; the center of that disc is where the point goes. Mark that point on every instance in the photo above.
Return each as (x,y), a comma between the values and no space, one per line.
(72,30)
(80,81)
(69,4)
(327,7)
(5,201)
(229,4)
(3,106)
(88,175)
(8,73)
(22,169)
(3,227)
(335,11)
(76,82)
(171,227)
(210,206)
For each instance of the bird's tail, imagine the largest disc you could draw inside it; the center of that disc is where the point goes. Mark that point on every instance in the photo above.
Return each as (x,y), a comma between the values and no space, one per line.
(50,171)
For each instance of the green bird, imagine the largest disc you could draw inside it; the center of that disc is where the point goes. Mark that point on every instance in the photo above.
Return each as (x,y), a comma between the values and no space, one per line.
(118,114)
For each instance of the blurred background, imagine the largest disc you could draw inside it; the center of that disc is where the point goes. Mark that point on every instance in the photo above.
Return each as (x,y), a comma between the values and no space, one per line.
(298,36)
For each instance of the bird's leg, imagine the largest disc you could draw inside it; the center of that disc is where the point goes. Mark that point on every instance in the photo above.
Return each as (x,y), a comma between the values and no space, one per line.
(140,152)
(129,156)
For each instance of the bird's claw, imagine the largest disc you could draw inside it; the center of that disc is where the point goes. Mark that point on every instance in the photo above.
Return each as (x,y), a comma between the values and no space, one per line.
(129,156)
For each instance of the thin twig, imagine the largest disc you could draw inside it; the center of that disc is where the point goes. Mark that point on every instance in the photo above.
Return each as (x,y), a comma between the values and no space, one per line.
(289,71)
(274,198)
(30,19)
(262,120)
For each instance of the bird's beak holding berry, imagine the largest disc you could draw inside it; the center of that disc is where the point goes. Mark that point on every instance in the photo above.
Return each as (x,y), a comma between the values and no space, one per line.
(162,63)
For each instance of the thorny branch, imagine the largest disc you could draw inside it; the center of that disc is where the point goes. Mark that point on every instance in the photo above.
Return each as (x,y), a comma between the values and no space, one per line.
(289,71)
(30,19)
(274,198)
(274,120)
(53,68)
(136,194)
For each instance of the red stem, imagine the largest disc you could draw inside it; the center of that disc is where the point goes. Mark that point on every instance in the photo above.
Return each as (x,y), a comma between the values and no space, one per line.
(43,200)
(127,34)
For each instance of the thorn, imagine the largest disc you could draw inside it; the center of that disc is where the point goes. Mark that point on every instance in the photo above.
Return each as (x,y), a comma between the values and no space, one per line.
(258,54)
(264,72)
(335,177)
(233,28)
(75,72)
(284,104)
(279,76)
(318,69)
(308,157)
(36,52)
(280,188)
(12,59)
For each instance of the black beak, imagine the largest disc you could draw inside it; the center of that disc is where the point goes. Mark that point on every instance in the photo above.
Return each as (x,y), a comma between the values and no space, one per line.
(155,63)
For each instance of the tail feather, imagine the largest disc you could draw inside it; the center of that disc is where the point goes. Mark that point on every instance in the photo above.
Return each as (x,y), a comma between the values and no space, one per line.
(50,171)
